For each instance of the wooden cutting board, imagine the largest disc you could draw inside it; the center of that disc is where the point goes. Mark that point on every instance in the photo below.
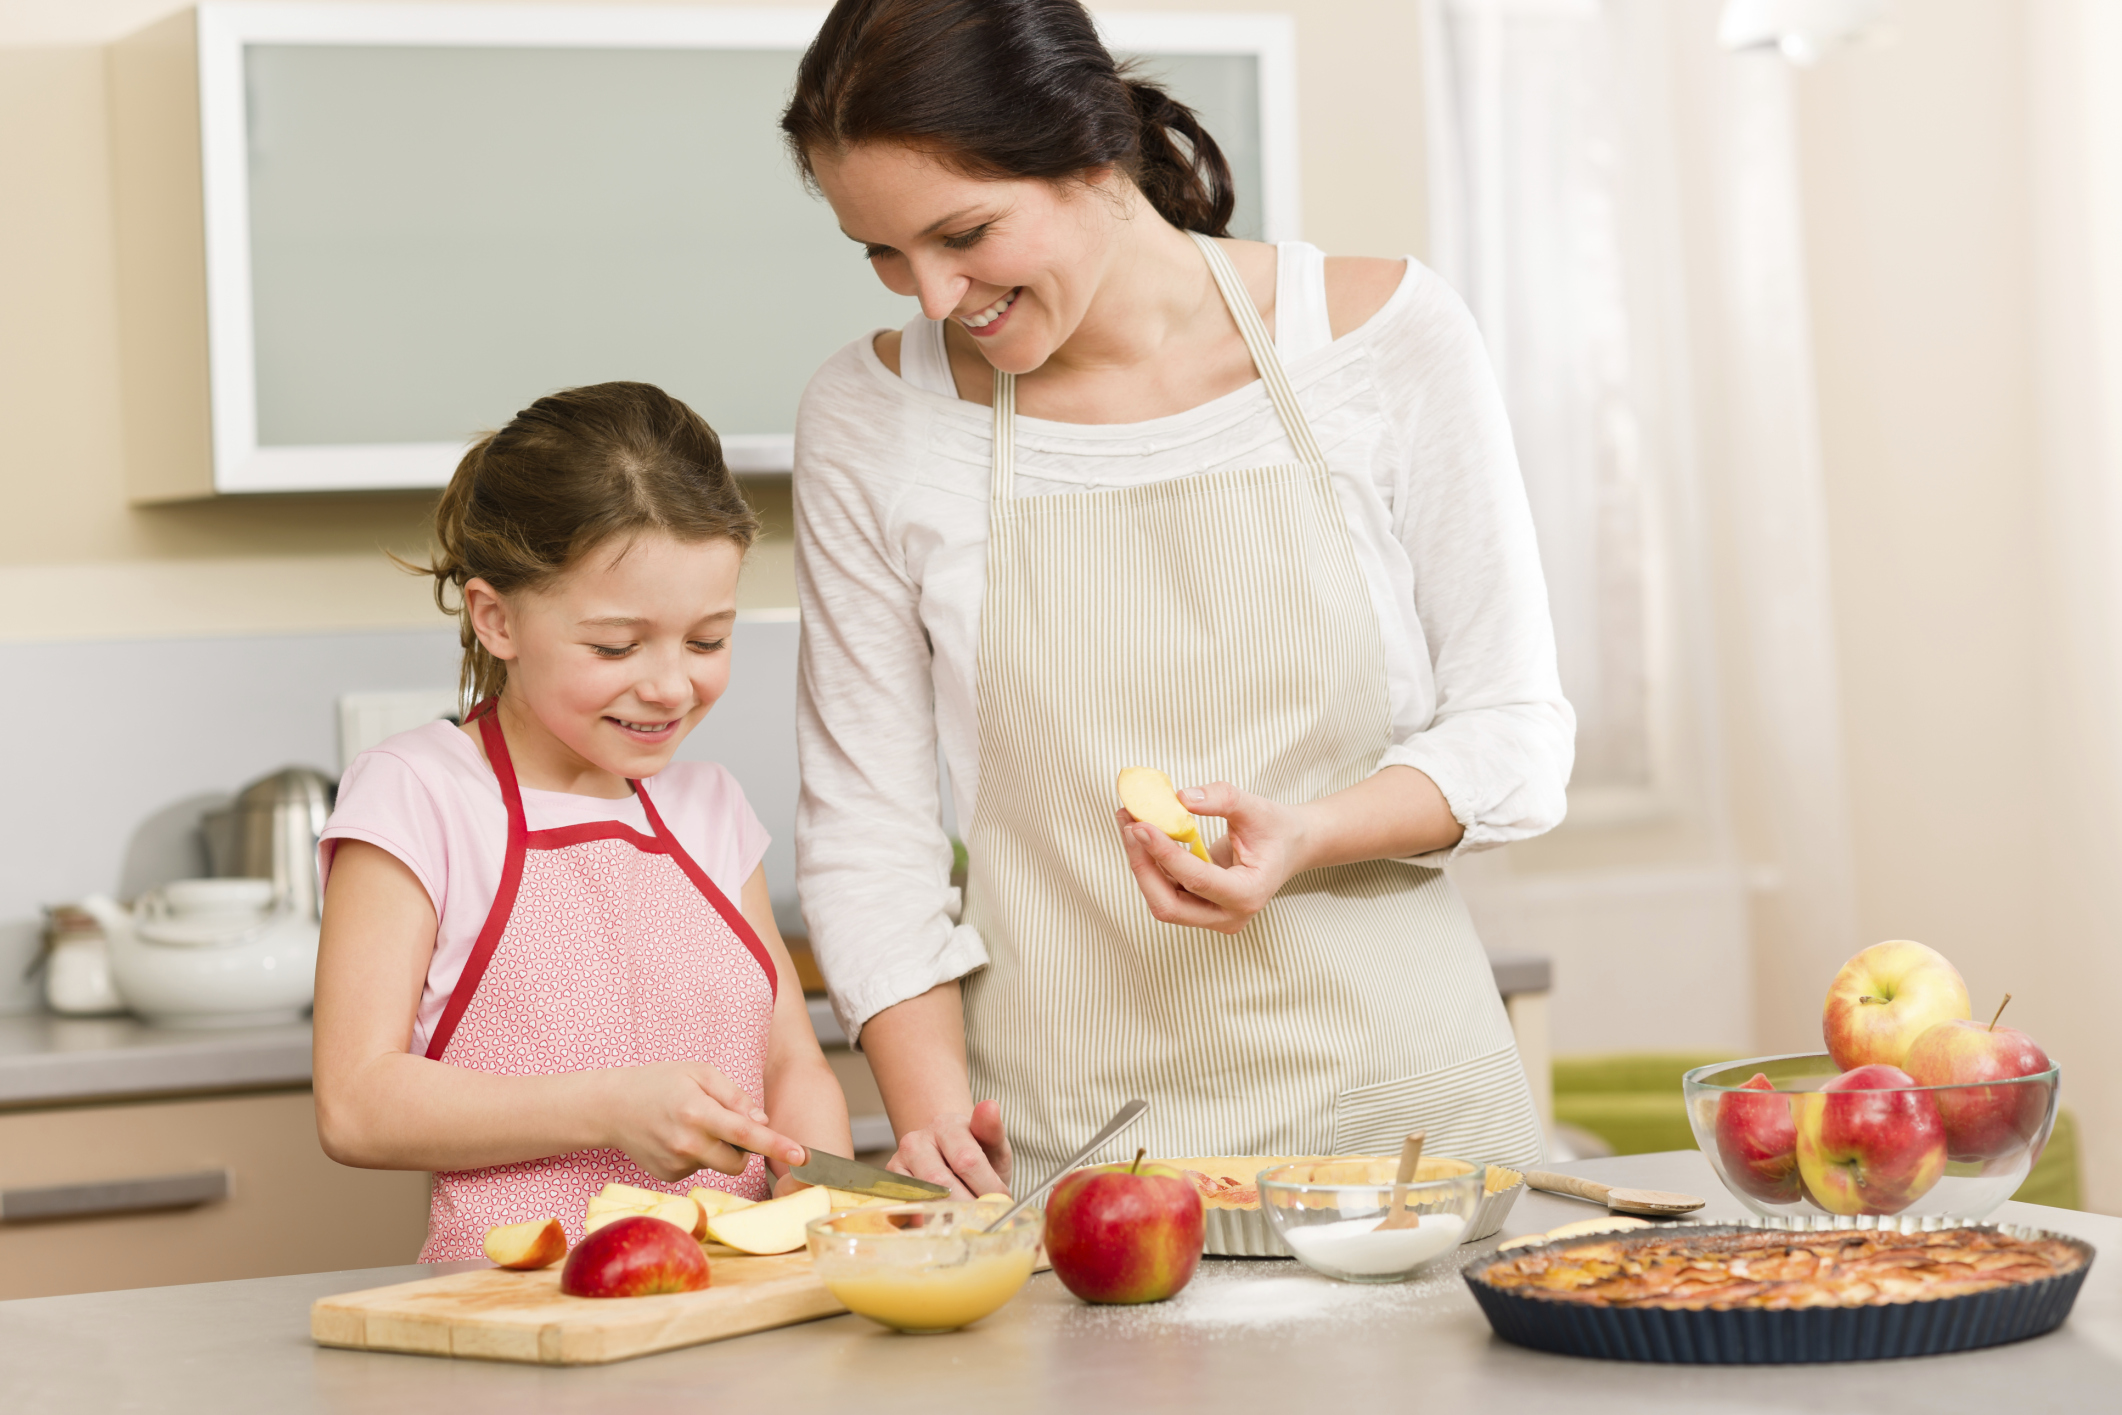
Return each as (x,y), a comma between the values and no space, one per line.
(496,1315)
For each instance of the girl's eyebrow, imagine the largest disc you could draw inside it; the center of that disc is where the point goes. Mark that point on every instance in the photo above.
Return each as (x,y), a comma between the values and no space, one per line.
(613,621)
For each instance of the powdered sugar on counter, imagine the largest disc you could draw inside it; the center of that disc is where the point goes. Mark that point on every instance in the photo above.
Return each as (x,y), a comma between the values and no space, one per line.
(1256,1299)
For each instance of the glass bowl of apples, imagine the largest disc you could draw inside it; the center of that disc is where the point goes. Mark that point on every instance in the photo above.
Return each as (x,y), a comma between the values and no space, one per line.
(1346,1218)
(927,1267)
(1799,1136)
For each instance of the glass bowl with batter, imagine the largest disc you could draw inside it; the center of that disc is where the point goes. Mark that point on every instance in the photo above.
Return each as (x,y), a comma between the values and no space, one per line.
(927,1267)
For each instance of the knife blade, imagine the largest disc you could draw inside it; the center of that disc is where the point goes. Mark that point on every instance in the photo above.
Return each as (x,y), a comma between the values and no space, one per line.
(836,1172)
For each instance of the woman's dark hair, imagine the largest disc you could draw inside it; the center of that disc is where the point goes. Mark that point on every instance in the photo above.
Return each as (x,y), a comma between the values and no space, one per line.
(1003,88)
(568,473)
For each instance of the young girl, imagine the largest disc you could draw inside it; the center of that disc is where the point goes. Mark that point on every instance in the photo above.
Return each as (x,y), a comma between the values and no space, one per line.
(549,960)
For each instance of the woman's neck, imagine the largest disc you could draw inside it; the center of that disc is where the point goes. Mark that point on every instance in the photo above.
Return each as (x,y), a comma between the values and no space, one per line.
(1154,294)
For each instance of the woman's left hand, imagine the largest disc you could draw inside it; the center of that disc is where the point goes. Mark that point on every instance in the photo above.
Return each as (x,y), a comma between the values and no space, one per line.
(1267,842)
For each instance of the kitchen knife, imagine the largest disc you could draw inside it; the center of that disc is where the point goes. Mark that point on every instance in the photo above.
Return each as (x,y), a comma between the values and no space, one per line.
(833,1172)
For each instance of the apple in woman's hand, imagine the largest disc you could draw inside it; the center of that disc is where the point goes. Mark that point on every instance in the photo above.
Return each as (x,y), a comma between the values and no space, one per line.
(635,1257)
(1886,997)
(1984,1123)
(1124,1233)
(1867,1144)
(1758,1142)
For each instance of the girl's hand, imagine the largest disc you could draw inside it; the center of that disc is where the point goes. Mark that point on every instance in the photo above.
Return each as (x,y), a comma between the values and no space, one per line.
(680,1116)
(1266,844)
(968,1154)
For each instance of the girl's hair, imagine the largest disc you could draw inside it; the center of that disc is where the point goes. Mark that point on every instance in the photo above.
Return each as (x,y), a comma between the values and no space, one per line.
(567,474)
(1003,88)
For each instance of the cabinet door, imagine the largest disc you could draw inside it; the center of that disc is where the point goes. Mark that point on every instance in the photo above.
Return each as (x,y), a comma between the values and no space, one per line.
(289,1209)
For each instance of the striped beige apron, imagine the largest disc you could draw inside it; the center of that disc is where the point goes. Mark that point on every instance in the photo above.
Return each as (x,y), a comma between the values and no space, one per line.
(1216,626)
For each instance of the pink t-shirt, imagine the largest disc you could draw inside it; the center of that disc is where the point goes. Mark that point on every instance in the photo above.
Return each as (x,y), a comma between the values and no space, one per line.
(429,798)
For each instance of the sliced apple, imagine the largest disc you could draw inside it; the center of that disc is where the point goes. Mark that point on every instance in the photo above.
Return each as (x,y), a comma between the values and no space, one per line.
(775,1226)
(527,1246)
(598,1218)
(682,1211)
(849,1199)
(632,1195)
(719,1201)
(1150,798)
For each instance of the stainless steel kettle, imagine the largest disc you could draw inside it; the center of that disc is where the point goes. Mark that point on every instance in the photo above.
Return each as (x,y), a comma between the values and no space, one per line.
(271,832)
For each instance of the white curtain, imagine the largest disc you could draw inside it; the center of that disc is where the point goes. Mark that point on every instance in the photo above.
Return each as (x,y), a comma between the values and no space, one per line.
(1617,200)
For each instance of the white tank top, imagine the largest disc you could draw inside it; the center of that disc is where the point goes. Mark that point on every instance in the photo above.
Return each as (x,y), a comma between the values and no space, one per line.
(1301,323)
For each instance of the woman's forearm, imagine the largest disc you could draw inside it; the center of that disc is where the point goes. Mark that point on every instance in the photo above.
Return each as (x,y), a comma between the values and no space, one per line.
(1389,815)
(916,1050)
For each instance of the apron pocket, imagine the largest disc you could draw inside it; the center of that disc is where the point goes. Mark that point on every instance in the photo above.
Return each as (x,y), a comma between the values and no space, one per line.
(1479,1110)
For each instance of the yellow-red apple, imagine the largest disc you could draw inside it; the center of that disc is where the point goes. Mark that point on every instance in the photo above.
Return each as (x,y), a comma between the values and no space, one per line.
(527,1246)
(1758,1142)
(1885,998)
(1124,1233)
(1867,1143)
(1982,1122)
(635,1256)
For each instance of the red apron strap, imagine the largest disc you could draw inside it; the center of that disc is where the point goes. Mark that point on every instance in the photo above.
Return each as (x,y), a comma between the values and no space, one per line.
(488,716)
(731,914)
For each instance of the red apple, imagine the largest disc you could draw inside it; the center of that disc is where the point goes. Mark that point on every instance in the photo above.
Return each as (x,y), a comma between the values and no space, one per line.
(1758,1143)
(1124,1233)
(634,1257)
(1867,1144)
(1885,998)
(1982,1122)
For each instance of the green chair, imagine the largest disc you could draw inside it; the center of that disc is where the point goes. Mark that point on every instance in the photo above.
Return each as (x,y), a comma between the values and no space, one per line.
(1632,1102)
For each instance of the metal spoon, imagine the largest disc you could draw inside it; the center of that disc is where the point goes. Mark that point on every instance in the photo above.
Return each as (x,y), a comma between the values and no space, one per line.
(1653,1203)
(1129,1114)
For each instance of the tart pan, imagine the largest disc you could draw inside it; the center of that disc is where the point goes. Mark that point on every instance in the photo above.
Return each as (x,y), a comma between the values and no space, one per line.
(1749,1336)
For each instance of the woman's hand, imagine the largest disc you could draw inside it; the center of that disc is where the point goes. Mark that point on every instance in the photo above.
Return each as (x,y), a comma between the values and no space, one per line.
(679,1116)
(968,1154)
(1265,845)
(1393,814)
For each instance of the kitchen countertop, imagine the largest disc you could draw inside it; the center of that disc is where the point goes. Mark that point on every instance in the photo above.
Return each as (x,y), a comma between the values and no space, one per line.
(48,1060)
(1244,1336)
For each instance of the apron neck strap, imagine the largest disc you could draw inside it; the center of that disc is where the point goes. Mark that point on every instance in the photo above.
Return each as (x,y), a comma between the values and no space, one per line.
(488,715)
(1266,361)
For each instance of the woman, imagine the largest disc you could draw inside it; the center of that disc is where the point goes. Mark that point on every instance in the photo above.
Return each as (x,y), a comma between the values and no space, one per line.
(1130,492)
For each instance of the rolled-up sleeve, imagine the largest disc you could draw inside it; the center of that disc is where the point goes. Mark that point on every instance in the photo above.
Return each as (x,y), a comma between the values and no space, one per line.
(1502,738)
(873,862)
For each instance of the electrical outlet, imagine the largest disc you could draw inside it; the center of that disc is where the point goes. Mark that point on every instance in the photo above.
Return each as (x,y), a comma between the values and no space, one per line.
(367,718)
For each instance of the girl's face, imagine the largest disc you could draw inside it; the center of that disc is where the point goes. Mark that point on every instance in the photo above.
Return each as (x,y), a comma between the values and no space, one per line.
(1015,262)
(616,660)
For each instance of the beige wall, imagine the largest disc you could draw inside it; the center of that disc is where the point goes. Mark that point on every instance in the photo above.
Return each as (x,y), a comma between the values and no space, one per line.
(76,561)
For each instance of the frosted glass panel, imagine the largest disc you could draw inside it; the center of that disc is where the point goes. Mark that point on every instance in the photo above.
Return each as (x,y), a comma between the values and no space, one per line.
(441,234)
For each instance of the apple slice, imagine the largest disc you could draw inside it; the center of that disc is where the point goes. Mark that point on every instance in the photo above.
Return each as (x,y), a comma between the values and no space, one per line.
(682,1211)
(775,1226)
(527,1246)
(1149,797)
(633,1196)
(719,1201)
(849,1199)
(598,1218)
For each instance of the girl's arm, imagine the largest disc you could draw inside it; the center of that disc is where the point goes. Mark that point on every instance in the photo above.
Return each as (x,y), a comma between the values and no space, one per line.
(380,1107)
(802,1095)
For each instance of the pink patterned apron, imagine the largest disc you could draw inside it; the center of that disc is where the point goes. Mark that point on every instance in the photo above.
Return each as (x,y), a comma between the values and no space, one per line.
(605,947)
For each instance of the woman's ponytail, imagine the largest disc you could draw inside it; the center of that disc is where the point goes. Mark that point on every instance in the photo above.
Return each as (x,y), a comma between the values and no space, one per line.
(1003,89)
(1181,170)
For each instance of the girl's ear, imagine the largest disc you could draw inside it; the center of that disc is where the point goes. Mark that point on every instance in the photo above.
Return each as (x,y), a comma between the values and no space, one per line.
(488,613)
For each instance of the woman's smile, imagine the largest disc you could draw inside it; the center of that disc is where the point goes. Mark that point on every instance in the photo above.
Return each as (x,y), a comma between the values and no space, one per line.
(988,322)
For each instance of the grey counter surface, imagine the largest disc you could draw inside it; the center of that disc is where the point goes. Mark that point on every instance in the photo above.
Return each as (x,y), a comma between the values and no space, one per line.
(1245,1336)
(47,1060)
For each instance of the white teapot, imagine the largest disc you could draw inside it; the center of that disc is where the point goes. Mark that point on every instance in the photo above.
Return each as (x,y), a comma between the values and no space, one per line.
(211,953)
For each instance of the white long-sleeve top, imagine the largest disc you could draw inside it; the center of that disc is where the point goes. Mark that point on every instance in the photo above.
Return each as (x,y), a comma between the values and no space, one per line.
(891,494)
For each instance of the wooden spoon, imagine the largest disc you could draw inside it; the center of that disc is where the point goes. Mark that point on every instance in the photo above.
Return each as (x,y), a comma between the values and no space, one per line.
(1397,1214)
(1653,1203)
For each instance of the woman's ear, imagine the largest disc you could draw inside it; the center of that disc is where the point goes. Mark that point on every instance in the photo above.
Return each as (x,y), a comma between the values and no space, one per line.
(488,613)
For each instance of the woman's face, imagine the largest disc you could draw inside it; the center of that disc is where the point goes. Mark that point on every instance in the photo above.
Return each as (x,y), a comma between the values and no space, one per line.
(1014,262)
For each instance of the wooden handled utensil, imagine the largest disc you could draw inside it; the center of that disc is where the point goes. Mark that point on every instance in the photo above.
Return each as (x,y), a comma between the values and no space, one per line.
(1397,1214)
(1651,1203)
